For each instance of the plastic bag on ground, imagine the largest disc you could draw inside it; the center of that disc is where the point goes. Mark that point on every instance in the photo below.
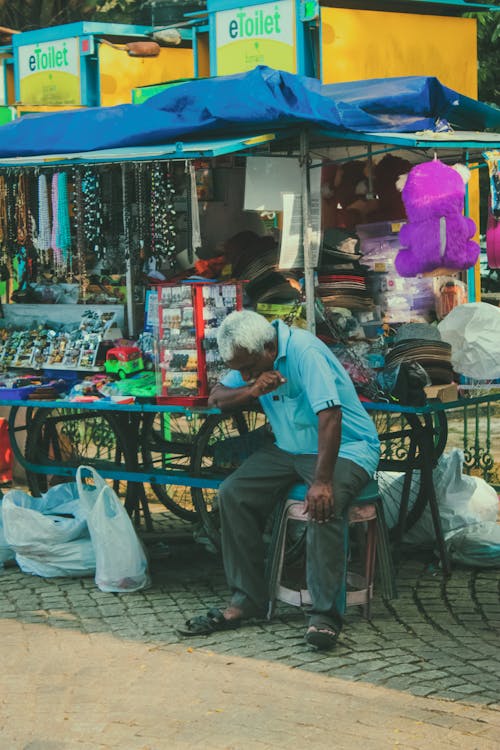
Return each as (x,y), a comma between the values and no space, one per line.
(48,534)
(6,551)
(121,563)
(70,559)
(463,500)
(54,518)
(477,545)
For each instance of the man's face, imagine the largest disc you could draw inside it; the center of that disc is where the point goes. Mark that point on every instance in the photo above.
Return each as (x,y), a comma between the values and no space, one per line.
(251,364)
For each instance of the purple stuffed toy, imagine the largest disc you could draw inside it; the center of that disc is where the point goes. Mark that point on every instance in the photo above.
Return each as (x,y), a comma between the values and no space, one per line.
(437,235)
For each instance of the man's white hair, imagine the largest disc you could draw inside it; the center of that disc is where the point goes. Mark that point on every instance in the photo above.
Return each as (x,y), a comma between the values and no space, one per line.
(244,329)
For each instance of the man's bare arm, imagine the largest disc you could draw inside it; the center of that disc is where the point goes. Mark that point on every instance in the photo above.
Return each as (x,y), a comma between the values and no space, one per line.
(319,499)
(231,398)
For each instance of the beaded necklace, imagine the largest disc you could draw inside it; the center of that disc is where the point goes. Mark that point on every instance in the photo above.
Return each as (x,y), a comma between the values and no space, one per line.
(21,210)
(11,187)
(125,212)
(92,211)
(32,205)
(3,212)
(140,193)
(61,234)
(44,242)
(78,213)
(163,230)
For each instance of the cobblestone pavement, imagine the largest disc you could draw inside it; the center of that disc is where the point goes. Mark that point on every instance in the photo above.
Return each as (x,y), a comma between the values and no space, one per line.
(439,638)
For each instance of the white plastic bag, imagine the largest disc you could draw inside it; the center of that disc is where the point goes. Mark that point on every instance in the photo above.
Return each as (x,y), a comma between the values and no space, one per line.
(53,518)
(477,545)
(48,534)
(69,559)
(472,331)
(6,551)
(462,500)
(121,563)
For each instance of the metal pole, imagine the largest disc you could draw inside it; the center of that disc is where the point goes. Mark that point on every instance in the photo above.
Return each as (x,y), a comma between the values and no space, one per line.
(306,233)
(128,253)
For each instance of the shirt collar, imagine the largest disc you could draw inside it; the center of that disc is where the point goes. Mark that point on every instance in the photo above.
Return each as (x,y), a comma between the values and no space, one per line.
(283,333)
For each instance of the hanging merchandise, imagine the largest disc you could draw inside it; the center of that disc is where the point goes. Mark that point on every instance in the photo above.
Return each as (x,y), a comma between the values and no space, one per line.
(163,230)
(21,210)
(11,199)
(125,213)
(450,292)
(92,211)
(493,226)
(44,234)
(78,214)
(141,199)
(437,234)
(3,213)
(61,234)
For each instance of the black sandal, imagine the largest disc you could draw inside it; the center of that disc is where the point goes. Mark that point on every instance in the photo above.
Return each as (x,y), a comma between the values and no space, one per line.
(207,624)
(322,635)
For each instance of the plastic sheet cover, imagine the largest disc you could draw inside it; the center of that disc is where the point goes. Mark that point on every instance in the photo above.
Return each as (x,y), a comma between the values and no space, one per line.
(261,100)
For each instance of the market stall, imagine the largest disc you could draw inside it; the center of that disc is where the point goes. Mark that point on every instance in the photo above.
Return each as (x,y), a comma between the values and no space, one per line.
(144,211)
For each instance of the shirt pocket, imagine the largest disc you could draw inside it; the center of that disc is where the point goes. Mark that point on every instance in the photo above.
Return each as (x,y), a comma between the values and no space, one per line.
(298,411)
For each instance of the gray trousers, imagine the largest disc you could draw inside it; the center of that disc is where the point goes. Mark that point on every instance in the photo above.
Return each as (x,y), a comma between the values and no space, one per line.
(248,496)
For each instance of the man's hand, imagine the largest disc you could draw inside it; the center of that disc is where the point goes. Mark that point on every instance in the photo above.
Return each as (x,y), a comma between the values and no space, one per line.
(319,501)
(266,382)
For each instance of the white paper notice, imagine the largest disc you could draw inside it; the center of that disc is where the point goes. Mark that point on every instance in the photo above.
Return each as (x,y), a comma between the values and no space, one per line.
(292,248)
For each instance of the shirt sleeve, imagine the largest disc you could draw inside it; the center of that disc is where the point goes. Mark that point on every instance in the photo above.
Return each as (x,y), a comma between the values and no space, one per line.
(319,380)
(232,379)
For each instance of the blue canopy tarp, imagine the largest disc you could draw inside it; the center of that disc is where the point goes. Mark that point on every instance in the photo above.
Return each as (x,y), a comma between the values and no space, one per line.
(261,100)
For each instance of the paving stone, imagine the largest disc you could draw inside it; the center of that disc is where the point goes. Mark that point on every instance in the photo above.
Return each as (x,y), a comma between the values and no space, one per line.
(440,648)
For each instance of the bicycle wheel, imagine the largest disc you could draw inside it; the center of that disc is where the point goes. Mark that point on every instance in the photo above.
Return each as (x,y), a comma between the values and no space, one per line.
(222,443)
(66,437)
(167,442)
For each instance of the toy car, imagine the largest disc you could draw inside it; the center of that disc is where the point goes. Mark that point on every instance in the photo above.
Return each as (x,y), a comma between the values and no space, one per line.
(124,361)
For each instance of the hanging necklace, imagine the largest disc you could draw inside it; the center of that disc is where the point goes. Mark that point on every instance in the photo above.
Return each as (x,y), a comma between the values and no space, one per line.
(61,234)
(163,231)
(92,211)
(43,220)
(78,212)
(21,210)
(141,210)
(3,212)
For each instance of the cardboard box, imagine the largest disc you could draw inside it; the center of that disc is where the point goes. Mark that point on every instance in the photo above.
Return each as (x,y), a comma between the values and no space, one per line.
(444,393)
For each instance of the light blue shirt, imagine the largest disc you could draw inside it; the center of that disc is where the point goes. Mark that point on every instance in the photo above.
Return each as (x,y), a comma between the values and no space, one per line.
(315,380)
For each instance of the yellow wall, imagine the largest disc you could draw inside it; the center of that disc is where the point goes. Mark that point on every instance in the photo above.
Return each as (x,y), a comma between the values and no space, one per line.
(473,212)
(203,56)
(120,73)
(359,44)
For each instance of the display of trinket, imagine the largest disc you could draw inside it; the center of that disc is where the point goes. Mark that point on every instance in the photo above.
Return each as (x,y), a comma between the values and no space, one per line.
(181,383)
(189,316)
(22,357)
(88,352)
(75,349)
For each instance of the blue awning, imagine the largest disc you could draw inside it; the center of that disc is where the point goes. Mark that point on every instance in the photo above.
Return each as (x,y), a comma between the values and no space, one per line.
(262,100)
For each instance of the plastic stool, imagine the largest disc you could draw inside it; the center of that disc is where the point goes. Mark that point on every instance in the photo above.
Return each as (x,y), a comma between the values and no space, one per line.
(366,509)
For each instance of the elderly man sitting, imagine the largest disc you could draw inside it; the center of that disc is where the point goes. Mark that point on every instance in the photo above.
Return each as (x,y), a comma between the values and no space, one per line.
(323,436)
